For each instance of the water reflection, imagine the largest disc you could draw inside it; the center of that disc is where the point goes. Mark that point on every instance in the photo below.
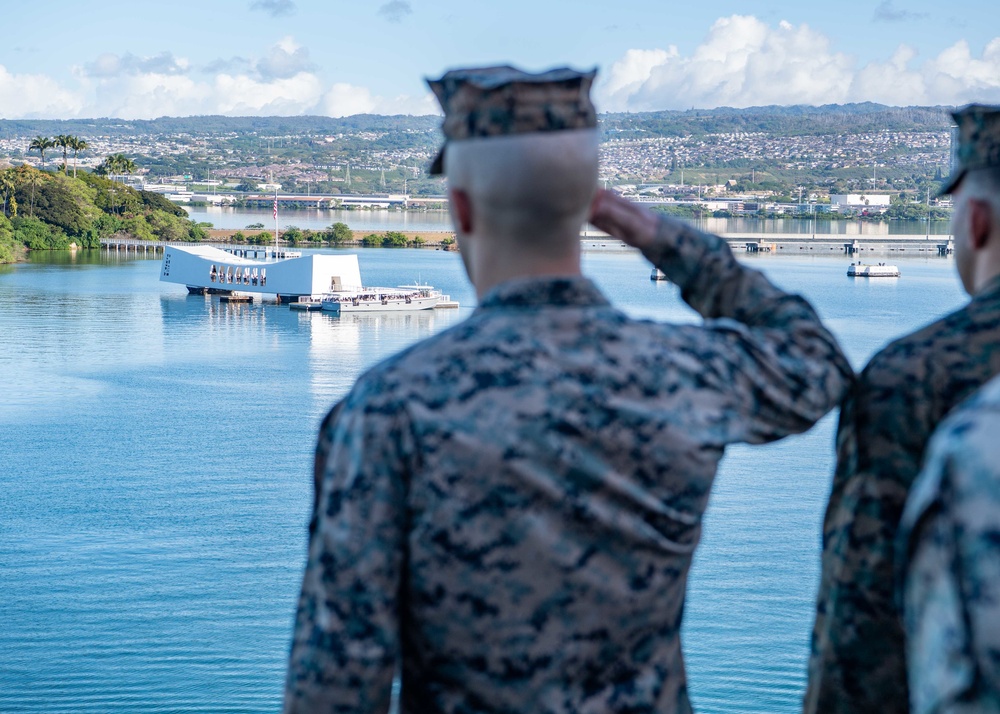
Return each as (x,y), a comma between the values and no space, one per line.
(340,347)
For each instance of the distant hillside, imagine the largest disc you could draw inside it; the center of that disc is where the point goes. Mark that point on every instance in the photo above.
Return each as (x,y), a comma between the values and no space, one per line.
(780,121)
(215,125)
(775,120)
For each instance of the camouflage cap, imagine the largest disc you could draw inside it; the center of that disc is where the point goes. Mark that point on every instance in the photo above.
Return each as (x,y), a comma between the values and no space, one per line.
(975,142)
(500,101)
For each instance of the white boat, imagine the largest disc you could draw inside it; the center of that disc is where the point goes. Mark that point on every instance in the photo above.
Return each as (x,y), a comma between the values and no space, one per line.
(397,299)
(658,274)
(860,270)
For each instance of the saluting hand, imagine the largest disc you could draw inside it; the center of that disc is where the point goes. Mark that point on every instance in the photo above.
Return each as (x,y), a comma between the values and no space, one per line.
(627,221)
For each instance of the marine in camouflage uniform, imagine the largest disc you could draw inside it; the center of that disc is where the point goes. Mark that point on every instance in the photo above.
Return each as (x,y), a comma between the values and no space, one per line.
(950,553)
(857,662)
(506,512)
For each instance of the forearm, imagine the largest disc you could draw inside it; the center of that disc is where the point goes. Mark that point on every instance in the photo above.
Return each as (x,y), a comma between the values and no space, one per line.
(714,283)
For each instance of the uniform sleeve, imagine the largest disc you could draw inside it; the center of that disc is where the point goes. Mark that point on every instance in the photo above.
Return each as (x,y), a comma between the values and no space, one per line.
(768,349)
(950,538)
(346,640)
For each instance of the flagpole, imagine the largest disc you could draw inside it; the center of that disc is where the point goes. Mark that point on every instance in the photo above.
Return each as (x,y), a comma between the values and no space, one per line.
(275,223)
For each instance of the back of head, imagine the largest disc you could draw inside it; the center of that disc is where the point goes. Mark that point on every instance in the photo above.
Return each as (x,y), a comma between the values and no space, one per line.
(530,189)
(975,152)
(521,148)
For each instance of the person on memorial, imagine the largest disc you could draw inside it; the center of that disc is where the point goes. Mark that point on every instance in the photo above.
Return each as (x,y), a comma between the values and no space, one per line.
(858,658)
(505,513)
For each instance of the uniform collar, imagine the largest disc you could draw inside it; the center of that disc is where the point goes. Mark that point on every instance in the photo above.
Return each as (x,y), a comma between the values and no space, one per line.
(990,290)
(574,291)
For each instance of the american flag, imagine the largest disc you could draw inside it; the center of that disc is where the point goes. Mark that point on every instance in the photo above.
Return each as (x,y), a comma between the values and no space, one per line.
(275,208)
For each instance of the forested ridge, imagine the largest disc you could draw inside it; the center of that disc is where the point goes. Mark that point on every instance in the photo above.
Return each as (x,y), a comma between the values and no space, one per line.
(48,210)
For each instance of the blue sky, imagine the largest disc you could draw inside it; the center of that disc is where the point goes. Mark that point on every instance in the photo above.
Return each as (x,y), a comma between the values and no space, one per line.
(141,59)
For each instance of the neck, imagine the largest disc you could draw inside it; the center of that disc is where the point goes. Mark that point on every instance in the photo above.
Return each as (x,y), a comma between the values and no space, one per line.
(495,261)
(985,274)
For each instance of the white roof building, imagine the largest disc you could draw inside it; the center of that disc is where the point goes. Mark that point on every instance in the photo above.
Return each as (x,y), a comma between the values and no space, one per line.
(860,201)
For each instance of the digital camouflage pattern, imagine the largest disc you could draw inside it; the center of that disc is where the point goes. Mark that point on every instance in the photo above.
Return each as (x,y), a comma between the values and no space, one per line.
(950,552)
(975,142)
(507,511)
(503,101)
(857,662)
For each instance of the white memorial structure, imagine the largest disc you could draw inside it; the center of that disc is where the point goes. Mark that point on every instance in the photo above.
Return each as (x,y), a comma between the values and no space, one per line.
(203,268)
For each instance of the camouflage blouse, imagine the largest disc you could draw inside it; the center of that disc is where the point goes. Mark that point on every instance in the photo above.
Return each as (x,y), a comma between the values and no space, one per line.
(858,660)
(949,547)
(506,512)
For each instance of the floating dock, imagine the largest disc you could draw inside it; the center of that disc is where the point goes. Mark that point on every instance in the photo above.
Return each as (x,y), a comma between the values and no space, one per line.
(859,270)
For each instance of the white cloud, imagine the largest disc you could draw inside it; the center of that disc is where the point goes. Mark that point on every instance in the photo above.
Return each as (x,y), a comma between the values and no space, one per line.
(284,60)
(147,96)
(32,96)
(282,82)
(345,99)
(744,62)
(112,65)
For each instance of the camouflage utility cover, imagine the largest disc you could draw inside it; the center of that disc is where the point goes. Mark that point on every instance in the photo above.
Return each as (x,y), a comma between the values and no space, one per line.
(503,101)
(857,662)
(975,143)
(950,552)
(507,511)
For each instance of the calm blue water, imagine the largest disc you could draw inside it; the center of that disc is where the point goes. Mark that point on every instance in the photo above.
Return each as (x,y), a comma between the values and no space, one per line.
(155,461)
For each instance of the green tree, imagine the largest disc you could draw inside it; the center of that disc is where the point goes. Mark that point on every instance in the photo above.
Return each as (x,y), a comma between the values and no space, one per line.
(371,240)
(8,246)
(339,233)
(394,239)
(8,185)
(115,165)
(64,141)
(41,144)
(77,146)
(38,235)
(293,234)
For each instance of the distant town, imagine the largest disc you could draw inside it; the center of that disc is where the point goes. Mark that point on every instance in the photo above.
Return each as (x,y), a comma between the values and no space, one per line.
(853,160)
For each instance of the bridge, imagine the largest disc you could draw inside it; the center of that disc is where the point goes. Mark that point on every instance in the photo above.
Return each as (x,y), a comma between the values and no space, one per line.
(746,242)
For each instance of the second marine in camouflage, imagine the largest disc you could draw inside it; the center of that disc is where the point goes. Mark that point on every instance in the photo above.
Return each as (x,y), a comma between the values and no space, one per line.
(858,660)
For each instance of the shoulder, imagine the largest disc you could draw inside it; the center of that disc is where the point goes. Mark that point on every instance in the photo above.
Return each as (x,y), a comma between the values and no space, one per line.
(390,384)
(962,469)
(912,353)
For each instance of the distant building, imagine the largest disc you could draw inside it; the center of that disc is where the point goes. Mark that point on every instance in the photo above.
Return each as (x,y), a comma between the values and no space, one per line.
(269,187)
(877,202)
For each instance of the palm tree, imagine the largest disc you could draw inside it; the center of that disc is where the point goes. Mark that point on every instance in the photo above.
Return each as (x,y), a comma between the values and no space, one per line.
(8,185)
(77,145)
(65,141)
(116,165)
(40,144)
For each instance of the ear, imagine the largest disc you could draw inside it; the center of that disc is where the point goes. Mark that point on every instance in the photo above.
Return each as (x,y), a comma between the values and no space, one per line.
(462,207)
(980,222)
